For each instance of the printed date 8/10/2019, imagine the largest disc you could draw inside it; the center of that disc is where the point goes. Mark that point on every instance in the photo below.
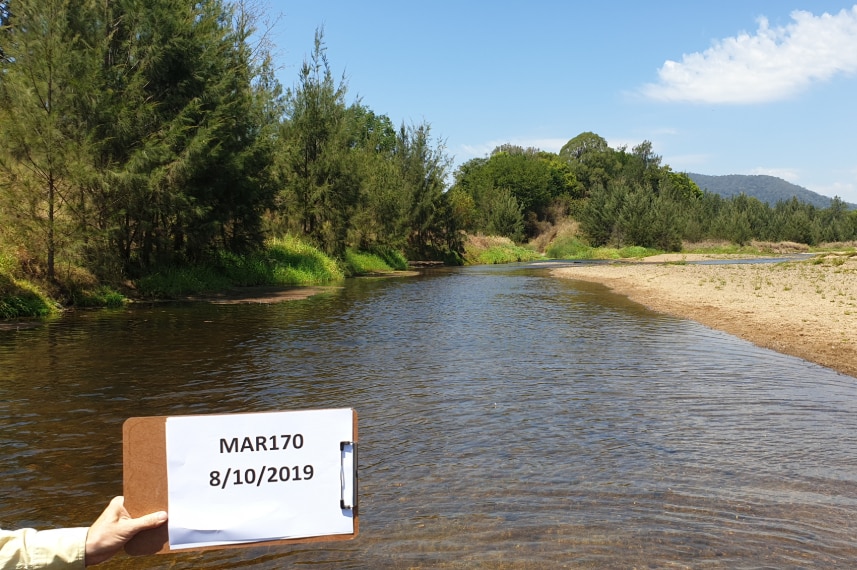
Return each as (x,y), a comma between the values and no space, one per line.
(258,477)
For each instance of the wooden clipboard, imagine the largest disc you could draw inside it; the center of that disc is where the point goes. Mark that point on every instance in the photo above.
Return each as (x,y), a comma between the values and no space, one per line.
(145,488)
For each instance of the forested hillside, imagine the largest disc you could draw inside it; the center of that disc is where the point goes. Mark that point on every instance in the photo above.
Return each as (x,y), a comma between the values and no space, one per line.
(768,189)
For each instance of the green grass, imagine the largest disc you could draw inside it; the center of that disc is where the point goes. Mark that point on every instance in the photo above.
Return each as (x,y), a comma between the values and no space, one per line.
(845,248)
(7,263)
(381,260)
(569,248)
(285,261)
(20,299)
(498,254)
(100,296)
(295,262)
(722,248)
(173,282)
(392,257)
(574,248)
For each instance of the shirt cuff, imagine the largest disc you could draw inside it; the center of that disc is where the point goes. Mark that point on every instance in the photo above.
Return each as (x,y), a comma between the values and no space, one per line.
(59,548)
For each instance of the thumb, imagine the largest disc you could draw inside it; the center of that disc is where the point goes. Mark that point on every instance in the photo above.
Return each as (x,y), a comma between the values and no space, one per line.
(145,522)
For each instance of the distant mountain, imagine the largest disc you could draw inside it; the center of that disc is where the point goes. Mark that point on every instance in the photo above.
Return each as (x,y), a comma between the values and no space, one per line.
(768,189)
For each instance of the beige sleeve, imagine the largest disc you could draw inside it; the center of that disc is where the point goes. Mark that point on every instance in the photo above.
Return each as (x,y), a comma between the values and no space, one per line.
(29,549)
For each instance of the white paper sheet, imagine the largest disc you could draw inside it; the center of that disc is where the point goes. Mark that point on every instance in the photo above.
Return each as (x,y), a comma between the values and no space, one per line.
(216,495)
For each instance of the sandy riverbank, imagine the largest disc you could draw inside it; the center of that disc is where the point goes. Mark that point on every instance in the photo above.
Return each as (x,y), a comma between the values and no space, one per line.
(804,309)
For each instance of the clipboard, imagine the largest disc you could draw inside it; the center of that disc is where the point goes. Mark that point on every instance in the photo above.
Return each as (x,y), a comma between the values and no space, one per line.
(145,487)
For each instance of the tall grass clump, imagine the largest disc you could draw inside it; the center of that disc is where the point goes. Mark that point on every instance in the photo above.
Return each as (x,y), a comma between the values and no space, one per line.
(637,252)
(285,261)
(173,282)
(490,250)
(380,260)
(19,299)
(569,248)
(100,296)
(296,262)
(8,263)
(394,258)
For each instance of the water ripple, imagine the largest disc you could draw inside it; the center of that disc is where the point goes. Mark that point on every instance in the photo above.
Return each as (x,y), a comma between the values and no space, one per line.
(507,420)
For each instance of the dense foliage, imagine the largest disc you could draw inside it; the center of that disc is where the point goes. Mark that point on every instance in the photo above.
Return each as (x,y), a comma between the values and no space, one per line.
(625,198)
(140,134)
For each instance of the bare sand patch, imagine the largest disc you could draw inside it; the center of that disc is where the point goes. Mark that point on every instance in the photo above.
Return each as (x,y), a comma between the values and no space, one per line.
(802,308)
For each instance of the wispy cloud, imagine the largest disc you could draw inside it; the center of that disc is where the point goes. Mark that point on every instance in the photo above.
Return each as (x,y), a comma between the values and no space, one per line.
(787,174)
(847,191)
(772,64)
(484,149)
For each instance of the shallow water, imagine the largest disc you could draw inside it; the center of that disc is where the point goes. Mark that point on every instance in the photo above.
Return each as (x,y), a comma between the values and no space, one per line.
(507,420)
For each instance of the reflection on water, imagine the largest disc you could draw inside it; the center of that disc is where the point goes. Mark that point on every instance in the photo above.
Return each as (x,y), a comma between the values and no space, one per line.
(507,420)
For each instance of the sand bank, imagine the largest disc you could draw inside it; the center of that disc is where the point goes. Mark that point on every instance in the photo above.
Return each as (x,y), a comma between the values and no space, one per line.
(802,308)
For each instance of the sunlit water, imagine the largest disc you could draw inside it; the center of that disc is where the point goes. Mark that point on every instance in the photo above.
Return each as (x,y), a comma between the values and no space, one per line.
(507,420)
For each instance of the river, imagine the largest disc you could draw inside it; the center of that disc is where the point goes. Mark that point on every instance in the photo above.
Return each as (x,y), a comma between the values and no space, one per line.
(507,420)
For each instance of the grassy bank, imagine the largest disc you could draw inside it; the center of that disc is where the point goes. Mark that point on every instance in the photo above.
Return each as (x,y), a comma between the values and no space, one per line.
(575,248)
(490,250)
(379,260)
(19,298)
(283,262)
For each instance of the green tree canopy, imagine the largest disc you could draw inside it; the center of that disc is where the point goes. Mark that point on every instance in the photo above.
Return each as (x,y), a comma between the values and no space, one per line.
(534,178)
(148,125)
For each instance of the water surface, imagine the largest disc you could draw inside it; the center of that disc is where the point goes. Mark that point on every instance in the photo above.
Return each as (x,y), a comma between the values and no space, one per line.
(507,420)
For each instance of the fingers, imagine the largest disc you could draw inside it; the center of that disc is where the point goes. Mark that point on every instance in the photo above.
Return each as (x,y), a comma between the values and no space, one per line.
(145,522)
(109,533)
(135,525)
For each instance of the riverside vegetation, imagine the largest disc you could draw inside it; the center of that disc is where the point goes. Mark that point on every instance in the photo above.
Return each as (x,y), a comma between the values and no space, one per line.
(147,149)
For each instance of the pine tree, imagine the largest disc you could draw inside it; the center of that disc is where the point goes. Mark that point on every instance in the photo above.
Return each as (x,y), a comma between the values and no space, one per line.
(322,185)
(41,146)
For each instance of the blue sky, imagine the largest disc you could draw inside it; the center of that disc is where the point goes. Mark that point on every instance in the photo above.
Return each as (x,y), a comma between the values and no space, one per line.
(728,87)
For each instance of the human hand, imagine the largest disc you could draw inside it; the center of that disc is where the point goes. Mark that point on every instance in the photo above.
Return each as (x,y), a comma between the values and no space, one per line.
(113,528)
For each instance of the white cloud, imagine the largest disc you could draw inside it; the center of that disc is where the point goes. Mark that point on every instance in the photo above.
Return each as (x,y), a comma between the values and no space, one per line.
(484,149)
(773,64)
(787,174)
(847,191)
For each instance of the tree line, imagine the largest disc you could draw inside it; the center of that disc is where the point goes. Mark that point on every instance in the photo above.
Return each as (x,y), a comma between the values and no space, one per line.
(623,197)
(141,133)
(136,134)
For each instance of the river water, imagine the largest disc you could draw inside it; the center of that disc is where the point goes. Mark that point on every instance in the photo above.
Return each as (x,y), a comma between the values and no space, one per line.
(508,419)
